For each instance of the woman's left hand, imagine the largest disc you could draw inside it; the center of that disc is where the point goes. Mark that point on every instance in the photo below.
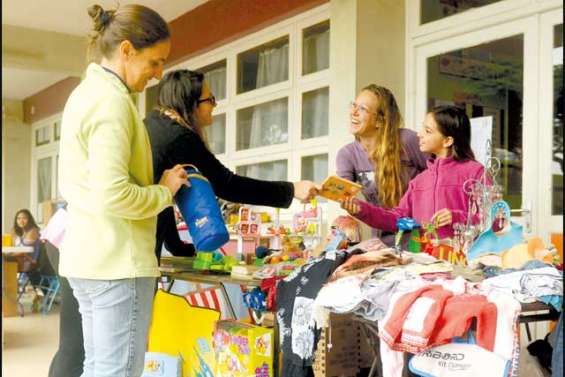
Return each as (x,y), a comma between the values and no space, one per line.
(442,217)
(351,205)
(305,190)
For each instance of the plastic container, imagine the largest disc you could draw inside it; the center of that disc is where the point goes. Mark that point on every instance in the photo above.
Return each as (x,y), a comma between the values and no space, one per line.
(7,240)
(200,211)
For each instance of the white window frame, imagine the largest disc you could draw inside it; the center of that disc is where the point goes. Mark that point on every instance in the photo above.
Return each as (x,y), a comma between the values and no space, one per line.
(471,20)
(294,148)
(50,149)
(551,222)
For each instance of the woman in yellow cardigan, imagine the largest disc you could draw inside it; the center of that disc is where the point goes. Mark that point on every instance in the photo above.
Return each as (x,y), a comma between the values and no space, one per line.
(106,176)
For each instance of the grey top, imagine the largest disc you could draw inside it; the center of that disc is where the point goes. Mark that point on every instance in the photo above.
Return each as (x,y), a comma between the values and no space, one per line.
(354,164)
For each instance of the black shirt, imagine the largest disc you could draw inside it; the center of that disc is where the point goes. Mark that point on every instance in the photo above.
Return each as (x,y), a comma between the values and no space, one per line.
(171,144)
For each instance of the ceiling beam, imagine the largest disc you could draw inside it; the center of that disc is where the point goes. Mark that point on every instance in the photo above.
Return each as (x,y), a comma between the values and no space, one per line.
(46,51)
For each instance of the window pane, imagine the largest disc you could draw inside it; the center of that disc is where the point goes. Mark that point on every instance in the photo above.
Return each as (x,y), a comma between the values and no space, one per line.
(432,10)
(57,130)
(315,168)
(269,171)
(316,48)
(262,125)
(215,75)
(558,101)
(57,177)
(263,65)
(315,113)
(486,80)
(216,134)
(42,136)
(151,96)
(43,179)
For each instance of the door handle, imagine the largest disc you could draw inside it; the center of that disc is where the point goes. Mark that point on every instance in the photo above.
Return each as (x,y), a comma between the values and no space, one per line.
(527,216)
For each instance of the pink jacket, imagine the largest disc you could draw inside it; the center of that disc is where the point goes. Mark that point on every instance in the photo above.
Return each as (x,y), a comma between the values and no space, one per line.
(439,186)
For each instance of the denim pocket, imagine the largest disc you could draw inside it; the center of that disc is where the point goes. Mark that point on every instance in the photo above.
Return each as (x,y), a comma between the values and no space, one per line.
(90,286)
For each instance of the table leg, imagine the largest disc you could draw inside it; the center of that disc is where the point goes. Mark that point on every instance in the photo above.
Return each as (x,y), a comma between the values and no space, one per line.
(276,348)
(10,288)
(228,301)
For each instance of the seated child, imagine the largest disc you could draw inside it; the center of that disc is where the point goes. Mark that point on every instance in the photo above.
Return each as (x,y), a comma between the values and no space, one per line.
(436,194)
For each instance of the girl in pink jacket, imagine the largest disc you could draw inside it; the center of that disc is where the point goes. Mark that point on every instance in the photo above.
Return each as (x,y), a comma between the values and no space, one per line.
(436,194)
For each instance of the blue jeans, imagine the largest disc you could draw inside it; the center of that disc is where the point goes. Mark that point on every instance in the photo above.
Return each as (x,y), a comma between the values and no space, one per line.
(116,315)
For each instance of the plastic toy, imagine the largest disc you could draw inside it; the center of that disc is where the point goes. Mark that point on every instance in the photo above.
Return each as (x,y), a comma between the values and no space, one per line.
(405,224)
(308,224)
(247,228)
(497,239)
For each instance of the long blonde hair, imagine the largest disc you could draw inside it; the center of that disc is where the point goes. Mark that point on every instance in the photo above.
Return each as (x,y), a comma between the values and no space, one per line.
(386,155)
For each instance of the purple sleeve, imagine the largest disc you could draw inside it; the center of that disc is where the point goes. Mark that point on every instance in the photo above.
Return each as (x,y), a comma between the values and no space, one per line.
(344,164)
(385,219)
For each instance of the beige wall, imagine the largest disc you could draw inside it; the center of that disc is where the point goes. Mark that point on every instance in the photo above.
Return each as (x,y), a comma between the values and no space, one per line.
(380,45)
(366,46)
(16,162)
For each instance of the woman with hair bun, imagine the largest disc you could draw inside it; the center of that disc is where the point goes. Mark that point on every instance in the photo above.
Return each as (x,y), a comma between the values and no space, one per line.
(106,176)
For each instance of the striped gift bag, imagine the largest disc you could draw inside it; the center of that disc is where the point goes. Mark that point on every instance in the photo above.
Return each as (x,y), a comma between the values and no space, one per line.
(212,298)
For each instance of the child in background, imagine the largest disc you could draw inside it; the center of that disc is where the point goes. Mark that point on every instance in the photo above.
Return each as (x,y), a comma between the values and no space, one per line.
(435,195)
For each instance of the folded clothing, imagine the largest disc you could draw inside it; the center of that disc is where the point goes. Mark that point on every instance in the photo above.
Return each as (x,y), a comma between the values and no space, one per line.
(434,315)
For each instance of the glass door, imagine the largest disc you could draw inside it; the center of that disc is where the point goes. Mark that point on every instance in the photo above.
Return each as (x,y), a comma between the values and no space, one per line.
(510,74)
(551,101)
(492,74)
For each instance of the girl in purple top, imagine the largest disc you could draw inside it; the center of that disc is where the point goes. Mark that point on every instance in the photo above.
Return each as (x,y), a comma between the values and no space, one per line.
(384,157)
(436,194)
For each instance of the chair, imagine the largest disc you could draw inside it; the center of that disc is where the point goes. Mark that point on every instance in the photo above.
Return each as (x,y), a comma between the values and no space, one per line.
(43,278)
(50,287)
(49,282)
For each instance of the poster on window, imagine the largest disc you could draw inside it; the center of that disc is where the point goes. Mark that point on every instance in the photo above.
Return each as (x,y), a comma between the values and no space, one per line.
(481,132)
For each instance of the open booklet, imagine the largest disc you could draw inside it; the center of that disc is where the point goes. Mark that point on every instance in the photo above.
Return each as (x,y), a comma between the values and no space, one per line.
(336,188)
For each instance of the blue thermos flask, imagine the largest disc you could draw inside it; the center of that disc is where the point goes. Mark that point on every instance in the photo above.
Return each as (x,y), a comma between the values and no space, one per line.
(199,208)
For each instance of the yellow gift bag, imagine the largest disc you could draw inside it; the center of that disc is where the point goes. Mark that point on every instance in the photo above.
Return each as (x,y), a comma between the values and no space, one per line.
(177,328)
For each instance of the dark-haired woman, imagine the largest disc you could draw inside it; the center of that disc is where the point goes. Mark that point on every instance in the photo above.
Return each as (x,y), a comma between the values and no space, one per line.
(106,177)
(25,230)
(435,195)
(176,131)
(26,233)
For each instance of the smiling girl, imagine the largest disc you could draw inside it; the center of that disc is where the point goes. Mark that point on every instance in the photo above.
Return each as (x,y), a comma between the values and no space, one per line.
(384,156)
(435,195)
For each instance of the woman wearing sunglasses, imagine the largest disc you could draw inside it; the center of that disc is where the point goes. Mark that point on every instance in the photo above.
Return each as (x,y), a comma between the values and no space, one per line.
(176,132)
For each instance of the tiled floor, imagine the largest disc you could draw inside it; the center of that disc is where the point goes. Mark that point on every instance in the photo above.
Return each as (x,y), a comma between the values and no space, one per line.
(29,344)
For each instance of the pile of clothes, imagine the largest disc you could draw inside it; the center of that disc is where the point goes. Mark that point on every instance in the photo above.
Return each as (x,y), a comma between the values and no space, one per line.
(419,304)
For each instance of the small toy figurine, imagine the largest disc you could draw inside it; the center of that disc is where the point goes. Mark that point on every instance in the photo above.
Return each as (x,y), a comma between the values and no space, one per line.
(405,224)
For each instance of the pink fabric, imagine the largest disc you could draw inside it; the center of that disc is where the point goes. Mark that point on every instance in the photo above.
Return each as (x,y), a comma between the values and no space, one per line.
(398,335)
(438,187)
(414,328)
(54,232)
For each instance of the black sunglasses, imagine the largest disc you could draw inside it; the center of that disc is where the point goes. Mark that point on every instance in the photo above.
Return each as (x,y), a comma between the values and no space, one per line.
(212,100)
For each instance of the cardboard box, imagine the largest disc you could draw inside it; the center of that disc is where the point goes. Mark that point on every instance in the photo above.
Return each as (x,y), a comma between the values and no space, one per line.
(342,359)
(243,350)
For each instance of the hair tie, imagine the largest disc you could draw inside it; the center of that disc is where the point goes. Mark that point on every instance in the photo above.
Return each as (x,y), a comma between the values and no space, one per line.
(105,18)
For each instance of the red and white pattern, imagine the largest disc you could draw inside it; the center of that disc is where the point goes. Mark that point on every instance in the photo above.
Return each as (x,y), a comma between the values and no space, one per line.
(211,298)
